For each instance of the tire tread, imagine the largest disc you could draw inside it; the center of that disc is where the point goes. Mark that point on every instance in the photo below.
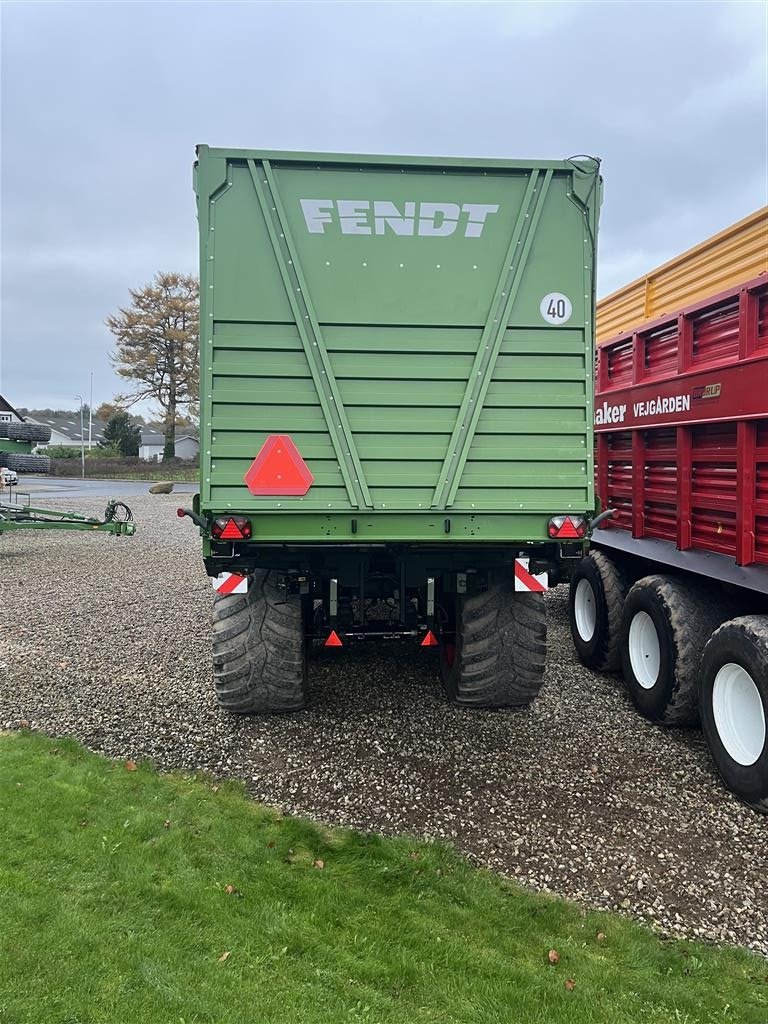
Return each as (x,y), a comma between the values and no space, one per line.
(258,649)
(501,647)
(745,630)
(692,616)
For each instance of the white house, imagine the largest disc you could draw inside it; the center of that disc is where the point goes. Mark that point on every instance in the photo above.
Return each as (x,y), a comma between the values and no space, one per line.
(8,414)
(187,447)
(152,445)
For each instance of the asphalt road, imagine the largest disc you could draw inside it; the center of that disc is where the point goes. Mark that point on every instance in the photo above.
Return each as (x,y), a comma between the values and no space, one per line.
(63,488)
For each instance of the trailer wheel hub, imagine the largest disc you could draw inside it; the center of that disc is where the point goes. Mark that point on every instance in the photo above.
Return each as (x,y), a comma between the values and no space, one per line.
(644,650)
(738,713)
(585,610)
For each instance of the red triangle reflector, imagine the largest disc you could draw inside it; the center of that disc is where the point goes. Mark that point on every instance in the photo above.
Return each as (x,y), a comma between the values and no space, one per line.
(278,469)
(333,640)
(231,531)
(568,529)
(430,640)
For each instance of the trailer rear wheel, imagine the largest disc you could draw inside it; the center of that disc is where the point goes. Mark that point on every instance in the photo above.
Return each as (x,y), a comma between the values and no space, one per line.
(665,625)
(494,655)
(259,654)
(595,603)
(734,706)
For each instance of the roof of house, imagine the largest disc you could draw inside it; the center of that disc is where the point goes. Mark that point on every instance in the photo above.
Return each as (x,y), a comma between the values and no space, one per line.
(5,406)
(158,427)
(153,438)
(67,423)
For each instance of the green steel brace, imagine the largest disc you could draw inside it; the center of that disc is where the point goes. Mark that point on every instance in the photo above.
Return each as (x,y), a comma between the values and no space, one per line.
(311,336)
(490,343)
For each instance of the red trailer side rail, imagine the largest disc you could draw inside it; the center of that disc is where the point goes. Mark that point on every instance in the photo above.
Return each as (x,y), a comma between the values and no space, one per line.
(681,413)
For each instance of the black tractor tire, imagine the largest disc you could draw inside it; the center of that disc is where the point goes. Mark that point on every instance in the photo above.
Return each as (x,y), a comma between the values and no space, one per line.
(36,432)
(678,618)
(259,655)
(734,716)
(598,589)
(25,463)
(494,655)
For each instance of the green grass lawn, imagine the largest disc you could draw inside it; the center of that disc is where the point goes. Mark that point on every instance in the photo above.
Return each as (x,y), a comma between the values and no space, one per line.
(130,897)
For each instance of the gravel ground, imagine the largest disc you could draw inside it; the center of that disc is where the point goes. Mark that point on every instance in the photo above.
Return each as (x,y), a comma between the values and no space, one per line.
(107,639)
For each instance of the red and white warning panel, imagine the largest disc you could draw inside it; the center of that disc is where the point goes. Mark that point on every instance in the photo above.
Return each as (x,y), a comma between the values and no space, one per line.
(527,582)
(278,469)
(230,583)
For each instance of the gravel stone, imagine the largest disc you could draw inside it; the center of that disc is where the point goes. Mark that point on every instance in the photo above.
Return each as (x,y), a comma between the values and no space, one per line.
(108,639)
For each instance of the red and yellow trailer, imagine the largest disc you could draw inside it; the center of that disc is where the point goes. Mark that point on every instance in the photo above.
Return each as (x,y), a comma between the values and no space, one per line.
(674,590)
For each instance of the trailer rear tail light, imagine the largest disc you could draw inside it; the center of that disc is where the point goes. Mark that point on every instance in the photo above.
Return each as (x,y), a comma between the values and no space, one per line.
(430,640)
(567,527)
(231,528)
(334,640)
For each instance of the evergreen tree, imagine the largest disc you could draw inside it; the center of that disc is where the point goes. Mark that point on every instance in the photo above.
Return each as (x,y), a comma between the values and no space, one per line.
(122,433)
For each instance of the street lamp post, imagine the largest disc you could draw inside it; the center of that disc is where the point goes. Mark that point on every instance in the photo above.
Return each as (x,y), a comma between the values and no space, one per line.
(82,439)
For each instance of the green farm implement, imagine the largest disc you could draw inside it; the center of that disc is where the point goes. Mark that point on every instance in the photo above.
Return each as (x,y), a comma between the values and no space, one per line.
(117,519)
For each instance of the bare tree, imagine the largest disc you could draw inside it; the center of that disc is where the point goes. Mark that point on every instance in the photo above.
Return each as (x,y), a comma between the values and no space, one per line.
(158,347)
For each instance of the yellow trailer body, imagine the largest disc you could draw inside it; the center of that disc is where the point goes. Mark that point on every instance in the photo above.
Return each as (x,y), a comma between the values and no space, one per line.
(731,257)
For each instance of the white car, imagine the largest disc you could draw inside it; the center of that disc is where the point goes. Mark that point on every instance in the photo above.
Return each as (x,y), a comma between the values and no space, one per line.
(8,477)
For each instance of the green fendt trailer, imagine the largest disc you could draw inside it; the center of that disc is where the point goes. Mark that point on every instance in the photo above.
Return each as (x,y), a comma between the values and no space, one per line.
(396,403)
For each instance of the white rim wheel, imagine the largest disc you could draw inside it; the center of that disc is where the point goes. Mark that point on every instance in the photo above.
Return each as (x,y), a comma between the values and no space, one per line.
(585,610)
(644,650)
(738,713)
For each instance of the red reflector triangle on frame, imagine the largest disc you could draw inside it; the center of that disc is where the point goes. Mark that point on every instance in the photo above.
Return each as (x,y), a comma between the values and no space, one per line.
(231,531)
(278,469)
(430,640)
(334,640)
(568,529)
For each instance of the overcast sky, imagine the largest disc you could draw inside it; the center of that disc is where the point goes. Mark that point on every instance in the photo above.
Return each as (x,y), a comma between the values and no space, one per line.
(102,105)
